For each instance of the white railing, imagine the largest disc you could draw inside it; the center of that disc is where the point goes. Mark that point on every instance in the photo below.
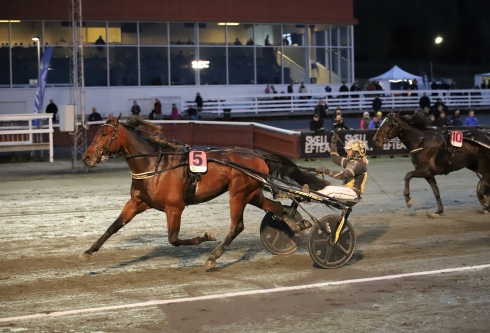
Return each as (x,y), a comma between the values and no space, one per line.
(350,102)
(19,132)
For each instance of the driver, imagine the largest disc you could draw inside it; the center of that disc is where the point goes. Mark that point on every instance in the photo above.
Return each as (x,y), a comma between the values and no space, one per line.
(355,174)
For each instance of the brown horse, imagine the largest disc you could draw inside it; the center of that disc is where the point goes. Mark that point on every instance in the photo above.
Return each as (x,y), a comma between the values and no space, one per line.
(162,180)
(432,153)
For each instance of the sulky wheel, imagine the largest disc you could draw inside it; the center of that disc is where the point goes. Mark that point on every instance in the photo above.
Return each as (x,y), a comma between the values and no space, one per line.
(483,193)
(326,254)
(276,235)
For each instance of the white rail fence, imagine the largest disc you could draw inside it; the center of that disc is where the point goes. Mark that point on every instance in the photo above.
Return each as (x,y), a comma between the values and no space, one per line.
(19,132)
(350,102)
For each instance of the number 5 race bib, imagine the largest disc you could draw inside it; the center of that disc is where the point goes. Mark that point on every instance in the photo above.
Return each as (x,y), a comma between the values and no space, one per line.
(198,161)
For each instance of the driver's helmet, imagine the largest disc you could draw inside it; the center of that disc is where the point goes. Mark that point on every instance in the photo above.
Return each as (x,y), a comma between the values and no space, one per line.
(357,146)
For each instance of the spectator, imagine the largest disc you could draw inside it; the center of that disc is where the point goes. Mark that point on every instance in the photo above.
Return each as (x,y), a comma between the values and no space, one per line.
(250,41)
(338,124)
(437,112)
(100,41)
(192,112)
(456,119)
(316,124)
(321,111)
(52,108)
(175,112)
(343,88)
(268,89)
(377,103)
(442,121)
(436,104)
(375,122)
(365,120)
(199,102)
(471,120)
(157,106)
(266,42)
(237,41)
(94,116)
(302,90)
(135,109)
(424,101)
(290,88)
(355,87)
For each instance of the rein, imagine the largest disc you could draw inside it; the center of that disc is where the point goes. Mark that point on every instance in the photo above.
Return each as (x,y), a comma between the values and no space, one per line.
(106,148)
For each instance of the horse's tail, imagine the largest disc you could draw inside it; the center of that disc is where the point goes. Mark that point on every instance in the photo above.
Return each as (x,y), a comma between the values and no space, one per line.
(285,169)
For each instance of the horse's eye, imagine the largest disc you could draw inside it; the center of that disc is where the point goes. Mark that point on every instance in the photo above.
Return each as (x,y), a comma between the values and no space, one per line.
(104,134)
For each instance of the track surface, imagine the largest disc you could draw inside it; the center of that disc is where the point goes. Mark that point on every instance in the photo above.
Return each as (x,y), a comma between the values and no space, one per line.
(49,216)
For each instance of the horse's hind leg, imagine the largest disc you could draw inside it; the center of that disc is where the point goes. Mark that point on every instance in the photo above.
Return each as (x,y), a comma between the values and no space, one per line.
(130,210)
(435,189)
(237,206)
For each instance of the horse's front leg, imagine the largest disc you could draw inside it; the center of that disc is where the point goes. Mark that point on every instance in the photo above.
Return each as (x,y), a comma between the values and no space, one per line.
(130,210)
(174,215)
(413,174)
(435,189)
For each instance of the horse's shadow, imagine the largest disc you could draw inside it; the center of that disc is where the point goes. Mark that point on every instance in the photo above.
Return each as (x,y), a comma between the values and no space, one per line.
(187,255)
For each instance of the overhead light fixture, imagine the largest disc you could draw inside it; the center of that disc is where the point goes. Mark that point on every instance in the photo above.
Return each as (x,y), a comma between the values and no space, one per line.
(35,38)
(228,23)
(11,21)
(199,64)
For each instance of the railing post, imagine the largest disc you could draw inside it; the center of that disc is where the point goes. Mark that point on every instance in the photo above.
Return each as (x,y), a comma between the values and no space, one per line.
(50,134)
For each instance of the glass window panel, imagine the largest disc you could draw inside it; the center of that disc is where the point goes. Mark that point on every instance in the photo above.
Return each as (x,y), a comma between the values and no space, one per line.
(154,66)
(216,72)
(294,62)
(320,35)
(182,33)
(122,33)
(211,33)
(22,32)
(95,66)
(95,33)
(244,33)
(268,34)
(241,65)
(60,66)
(152,33)
(123,70)
(335,66)
(5,66)
(294,35)
(58,33)
(345,65)
(4,33)
(24,65)
(268,66)
(181,71)
(340,36)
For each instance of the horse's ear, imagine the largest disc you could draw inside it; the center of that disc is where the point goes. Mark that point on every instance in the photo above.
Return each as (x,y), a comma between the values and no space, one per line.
(117,118)
(109,117)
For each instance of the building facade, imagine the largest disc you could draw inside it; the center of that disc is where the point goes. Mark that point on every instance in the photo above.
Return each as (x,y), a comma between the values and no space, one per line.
(150,43)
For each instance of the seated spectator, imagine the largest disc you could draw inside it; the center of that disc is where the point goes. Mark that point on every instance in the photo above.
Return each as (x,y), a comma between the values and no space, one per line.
(471,120)
(316,124)
(366,119)
(442,121)
(456,118)
(192,112)
(375,122)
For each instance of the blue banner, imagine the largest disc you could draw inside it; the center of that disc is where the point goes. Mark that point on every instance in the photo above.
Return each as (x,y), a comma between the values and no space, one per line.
(43,71)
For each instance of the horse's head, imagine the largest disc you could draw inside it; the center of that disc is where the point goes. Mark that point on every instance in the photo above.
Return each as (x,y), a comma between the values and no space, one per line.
(388,130)
(104,143)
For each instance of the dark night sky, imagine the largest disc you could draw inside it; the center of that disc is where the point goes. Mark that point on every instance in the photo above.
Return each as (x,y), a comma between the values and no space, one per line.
(402,32)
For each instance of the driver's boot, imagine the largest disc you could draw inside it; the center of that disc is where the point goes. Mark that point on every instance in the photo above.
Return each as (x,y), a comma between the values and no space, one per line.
(292,224)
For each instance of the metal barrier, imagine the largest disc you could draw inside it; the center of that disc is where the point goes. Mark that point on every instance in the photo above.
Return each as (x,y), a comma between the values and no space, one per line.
(18,132)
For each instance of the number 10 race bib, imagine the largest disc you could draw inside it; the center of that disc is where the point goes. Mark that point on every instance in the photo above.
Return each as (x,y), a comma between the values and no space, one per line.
(456,138)
(198,161)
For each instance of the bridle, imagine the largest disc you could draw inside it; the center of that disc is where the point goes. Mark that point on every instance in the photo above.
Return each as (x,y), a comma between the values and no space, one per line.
(392,123)
(98,147)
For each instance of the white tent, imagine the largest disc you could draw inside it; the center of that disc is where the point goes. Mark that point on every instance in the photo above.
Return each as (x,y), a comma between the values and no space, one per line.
(481,77)
(396,74)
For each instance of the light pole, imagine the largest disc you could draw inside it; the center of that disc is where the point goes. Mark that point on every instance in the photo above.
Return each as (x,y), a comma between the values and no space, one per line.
(36,40)
(437,41)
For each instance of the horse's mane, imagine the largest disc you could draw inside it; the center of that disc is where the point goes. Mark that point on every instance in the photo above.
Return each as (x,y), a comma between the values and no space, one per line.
(417,120)
(150,132)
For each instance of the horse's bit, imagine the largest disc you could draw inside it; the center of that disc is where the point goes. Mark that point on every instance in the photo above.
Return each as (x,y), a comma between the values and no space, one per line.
(99,147)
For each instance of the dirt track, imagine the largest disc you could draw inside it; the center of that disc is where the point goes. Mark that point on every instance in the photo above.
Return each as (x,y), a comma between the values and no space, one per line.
(50,216)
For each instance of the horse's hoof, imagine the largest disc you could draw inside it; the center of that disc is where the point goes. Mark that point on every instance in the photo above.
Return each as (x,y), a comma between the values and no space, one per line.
(434,215)
(209,236)
(85,256)
(410,203)
(209,265)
